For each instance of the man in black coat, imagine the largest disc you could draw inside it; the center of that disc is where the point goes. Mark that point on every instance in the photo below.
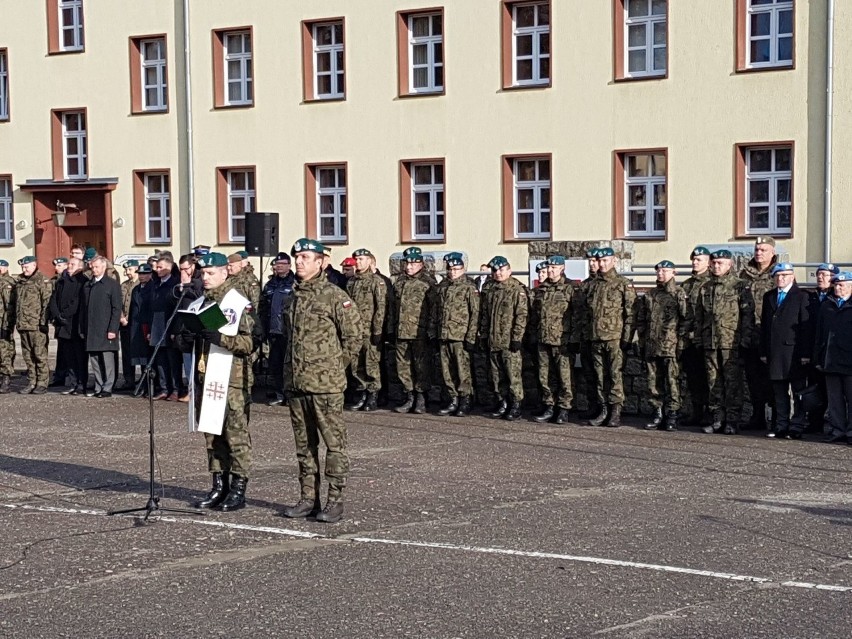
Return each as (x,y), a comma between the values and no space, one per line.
(786,346)
(816,297)
(163,303)
(63,312)
(833,356)
(100,318)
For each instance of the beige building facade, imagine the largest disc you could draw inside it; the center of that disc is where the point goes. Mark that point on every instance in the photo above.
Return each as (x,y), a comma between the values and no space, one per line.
(474,125)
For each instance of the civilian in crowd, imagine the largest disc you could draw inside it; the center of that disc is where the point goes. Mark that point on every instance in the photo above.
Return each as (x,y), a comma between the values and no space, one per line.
(100,317)
(64,313)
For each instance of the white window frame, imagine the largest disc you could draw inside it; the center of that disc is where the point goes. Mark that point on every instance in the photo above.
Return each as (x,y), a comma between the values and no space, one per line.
(431,42)
(649,22)
(538,186)
(435,211)
(75,26)
(340,211)
(337,75)
(164,199)
(648,182)
(773,176)
(248,195)
(774,10)
(6,212)
(243,57)
(82,155)
(4,85)
(159,67)
(535,32)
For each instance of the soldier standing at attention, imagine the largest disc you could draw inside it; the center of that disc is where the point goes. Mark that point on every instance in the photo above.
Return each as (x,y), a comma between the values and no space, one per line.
(692,359)
(661,321)
(413,296)
(723,321)
(33,297)
(502,323)
(128,370)
(455,320)
(243,280)
(369,292)
(552,310)
(322,336)
(611,314)
(228,454)
(758,276)
(7,327)
(582,337)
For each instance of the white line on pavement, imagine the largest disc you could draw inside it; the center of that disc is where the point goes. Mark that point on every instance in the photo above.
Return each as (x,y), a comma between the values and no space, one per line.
(477,549)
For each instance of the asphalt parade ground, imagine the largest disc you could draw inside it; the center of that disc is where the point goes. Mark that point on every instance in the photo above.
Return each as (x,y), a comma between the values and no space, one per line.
(467,527)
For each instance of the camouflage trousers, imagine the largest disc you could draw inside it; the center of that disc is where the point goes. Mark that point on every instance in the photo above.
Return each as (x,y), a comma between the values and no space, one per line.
(607,362)
(34,352)
(481,376)
(725,379)
(366,369)
(455,369)
(231,451)
(588,367)
(664,383)
(7,357)
(314,416)
(692,363)
(554,372)
(506,375)
(413,361)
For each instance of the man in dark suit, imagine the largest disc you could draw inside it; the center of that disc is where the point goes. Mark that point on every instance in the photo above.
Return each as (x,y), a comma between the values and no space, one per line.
(824,290)
(785,347)
(63,311)
(163,304)
(99,323)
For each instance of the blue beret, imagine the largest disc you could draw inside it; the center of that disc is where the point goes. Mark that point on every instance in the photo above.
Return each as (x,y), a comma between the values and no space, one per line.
(145,269)
(664,264)
(4,263)
(412,254)
(498,261)
(699,250)
(722,254)
(541,266)
(307,244)
(782,267)
(831,268)
(556,260)
(606,251)
(843,276)
(212,259)
(29,259)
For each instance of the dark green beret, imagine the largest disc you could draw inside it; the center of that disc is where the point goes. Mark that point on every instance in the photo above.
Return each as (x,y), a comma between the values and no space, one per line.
(4,263)
(60,260)
(212,259)
(89,254)
(29,259)
(699,250)
(243,254)
(556,260)
(498,261)
(722,254)
(307,244)
(361,252)
(453,259)
(664,264)
(412,254)
(592,253)
(131,263)
(605,251)
(145,269)
(540,266)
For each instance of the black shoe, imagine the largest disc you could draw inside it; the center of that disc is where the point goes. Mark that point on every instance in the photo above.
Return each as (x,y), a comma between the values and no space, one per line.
(332,513)
(614,420)
(464,406)
(715,427)
(500,409)
(302,508)
(103,395)
(419,403)
(546,415)
(217,493)
(671,421)
(730,429)
(514,411)
(407,404)
(655,423)
(450,408)
(372,402)
(562,416)
(92,393)
(276,400)
(601,417)
(360,400)
(236,498)
(834,439)
(71,391)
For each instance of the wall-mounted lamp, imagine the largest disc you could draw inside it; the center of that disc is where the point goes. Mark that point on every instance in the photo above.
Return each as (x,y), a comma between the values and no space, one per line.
(21,225)
(119,223)
(62,210)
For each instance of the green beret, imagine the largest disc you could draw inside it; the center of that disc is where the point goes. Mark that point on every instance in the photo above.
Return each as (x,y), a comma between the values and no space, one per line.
(361,252)
(556,260)
(498,261)
(145,269)
(606,251)
(454,259)
(540,266)
(131,263)
(60,260)
(307,244)
(4,263)
(412,254)
(699,250)
(664,264)
(212,259)
(29,259)
(89,254)
(243,254)
(722,254)
(592,253)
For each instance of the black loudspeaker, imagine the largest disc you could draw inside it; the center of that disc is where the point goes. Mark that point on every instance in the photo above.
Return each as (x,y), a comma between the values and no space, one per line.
(262,234)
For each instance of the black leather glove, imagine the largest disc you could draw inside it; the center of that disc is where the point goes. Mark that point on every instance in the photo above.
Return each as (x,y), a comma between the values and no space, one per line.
(376,340)
(515,347)
(470,347)
(214,337)
(625,345)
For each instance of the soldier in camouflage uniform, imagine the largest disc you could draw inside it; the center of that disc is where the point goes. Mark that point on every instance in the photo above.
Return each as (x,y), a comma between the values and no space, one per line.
(128,370)
(758,276)
(369,292)
(33,297)
(229,454)
(724,316)
(322,336)
(553,313)
(661,322)
(455,321)
(503,320)
(611,315)
(7,326)
(581,338)
(243,279)
(409,323)
(692,359)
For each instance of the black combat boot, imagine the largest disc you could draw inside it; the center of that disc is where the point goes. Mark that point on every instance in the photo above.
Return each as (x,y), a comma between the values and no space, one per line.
(450,408)
(601,417)
(4,385)
(614,416)
(407,404)
(514,411)
(464,406)
(332,513)
(671,420)
(716,426)
(304,507)
(500,409)
(372,402)
(236,498)
(217,494)
(654,424)
(562,416)
(730,428)
(419,403)
(359,401)
(546,415)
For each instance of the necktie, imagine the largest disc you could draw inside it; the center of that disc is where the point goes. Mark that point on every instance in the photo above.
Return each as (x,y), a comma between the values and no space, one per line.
(781,296)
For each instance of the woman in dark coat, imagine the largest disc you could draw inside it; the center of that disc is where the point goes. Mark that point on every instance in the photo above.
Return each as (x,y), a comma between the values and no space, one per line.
(833,356)
(99,323)
(786,346)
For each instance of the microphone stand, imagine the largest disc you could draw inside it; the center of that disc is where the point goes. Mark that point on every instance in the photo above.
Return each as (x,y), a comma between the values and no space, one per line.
(153,504)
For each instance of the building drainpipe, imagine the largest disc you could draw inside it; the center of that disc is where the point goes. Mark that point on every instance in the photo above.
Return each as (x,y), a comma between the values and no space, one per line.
(190,164)
(829,121)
